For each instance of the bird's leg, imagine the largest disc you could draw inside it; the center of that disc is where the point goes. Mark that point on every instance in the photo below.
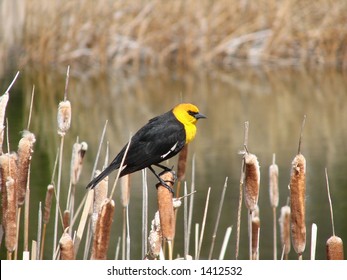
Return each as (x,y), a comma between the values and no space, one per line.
(161,180)
(165,168)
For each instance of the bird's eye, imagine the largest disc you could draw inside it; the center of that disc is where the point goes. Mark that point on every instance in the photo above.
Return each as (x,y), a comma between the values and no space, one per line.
(192,113)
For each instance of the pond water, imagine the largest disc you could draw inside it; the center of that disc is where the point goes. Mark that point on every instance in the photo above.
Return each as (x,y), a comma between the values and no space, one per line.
(273,101)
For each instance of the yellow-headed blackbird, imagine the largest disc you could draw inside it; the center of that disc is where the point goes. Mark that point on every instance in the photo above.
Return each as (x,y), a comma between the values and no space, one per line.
(160,139)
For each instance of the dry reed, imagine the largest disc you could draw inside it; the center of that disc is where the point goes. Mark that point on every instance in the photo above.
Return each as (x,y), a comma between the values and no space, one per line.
(78,152)
(191,35)
(297,203)
(25,150)
(66,247)
(103,230)
(284,221)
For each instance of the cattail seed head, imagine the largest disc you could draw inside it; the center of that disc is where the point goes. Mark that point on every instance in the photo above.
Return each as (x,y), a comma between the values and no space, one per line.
(8,168)
(11,216)
(103,230)
(67,251)
(273,176)
(3,104)
(334,248)
(78,152)
(100,195)
(48,204)
(64,117)
(284,222)
(66,219)
(155,237)
(165,205)
(297,203)
(252,180)
(25,151)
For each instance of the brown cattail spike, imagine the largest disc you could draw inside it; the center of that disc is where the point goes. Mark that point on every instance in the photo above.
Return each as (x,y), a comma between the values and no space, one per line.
(48,204)
(103,230)
(66,247)
(8,168)
(297,203)
(64,117)
(334,248)
(66,219)
(284,221)
(11,216)
(252,180)
(165,205)
(25,151)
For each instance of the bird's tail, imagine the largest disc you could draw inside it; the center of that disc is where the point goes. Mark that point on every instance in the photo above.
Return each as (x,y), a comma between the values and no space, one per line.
(101,176)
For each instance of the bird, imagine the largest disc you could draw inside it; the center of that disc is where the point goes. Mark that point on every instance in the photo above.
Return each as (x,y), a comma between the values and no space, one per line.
(161,138)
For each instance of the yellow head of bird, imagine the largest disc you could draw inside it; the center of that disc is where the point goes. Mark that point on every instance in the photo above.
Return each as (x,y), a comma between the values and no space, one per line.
(188,114)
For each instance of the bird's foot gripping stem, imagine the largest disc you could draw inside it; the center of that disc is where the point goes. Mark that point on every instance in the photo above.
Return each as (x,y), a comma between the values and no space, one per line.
(167,179)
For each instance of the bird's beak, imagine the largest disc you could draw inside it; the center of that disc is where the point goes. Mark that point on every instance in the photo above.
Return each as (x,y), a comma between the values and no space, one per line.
(199,116)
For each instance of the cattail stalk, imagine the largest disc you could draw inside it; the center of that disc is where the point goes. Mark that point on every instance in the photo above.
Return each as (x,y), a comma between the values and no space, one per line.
(166,210)
(225,243)
(297,203)
(274,197)
(3,104)
(125,198)
(64,121)
(204,222)
(191,205)
(255,233)
(242,182)
(144,212)
(181,167)
(214,235)
(103,230)
(334,245)
(66,247)
(284,221)
(313,241)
